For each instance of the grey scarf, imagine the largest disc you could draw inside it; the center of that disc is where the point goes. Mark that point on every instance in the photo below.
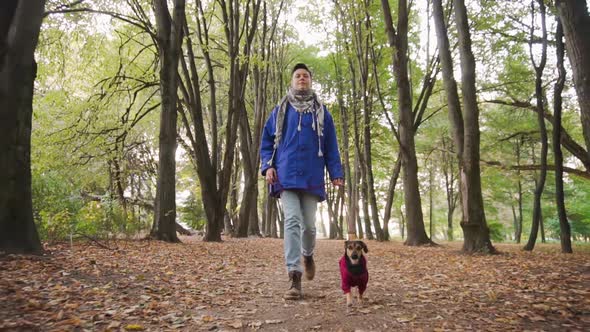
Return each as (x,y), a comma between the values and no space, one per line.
(304,101)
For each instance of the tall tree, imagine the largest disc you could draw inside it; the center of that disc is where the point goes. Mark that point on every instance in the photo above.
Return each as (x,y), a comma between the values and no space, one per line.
(465,127)
(575,19)
(350,185)
(20,23)
(213,163)
(240,25)
(475,229)
(564,226)
(363,43)
(349,98)
(398,42)
(357,177)
(169,40)
(539,94)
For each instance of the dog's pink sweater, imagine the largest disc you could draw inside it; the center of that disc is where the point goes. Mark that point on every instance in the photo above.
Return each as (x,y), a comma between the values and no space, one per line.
(351,280)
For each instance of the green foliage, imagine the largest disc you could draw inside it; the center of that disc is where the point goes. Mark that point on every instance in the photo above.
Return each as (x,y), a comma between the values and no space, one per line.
(192,212)
(580,229)
(577,209)
(58,213)
(497,232)
(54,226)
(53,205)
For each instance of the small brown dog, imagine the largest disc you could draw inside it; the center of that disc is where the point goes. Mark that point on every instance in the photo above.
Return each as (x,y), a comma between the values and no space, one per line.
(353,269)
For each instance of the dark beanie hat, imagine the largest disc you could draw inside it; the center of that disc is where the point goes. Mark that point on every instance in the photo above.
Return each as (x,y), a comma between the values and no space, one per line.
(301,66)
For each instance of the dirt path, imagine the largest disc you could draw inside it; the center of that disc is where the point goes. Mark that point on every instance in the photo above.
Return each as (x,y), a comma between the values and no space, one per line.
(238,285)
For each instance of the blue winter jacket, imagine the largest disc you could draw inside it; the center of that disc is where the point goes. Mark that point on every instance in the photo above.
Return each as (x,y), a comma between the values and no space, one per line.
(298,165)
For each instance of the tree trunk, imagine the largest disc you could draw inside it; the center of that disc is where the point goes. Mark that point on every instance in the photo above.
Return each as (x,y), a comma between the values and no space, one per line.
(518,228)
(214,183)
(402,223)
(356,177)
(366,93)
(576,28)
(260,75)
(475,229)
(19,33)
(273,217)
(240,35)
(564,226)
(391,194)
(169,36)
(365,204)
(333,219)
(430,202)
(341,213)
(227,224)
(265,229)
(215,180)
(542,228)
(120,188)
(350,185)
(233,197)
(254,225)
(514,220)
(399,45)
(450,180)
(366,217)
(539,94)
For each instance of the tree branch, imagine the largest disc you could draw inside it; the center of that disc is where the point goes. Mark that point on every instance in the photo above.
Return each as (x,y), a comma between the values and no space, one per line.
(580,173)
(566,140)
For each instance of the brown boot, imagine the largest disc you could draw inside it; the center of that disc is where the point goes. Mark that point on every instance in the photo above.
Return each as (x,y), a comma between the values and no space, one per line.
(294,292)
(309,265)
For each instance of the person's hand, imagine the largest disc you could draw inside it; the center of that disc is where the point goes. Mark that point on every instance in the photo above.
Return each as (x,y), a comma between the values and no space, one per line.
(339,182)
(271,175)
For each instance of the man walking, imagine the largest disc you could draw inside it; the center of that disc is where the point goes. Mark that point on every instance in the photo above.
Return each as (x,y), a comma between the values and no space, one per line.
(298,143)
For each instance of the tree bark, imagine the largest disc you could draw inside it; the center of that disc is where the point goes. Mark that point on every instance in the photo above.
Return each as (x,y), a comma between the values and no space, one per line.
(365,204)
(391,192)
(20,23)
(564,226)
(273,216)
(169,37)
(475,229)
(233,197)
(574,17)
(399,45)
(430,202)
(454,105)
(518,227)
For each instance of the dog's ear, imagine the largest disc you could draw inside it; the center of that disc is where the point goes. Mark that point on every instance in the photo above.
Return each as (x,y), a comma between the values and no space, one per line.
(365,249)
(345,246)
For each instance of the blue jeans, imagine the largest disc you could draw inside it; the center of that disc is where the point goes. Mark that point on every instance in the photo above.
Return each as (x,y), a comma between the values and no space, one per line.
(299,210)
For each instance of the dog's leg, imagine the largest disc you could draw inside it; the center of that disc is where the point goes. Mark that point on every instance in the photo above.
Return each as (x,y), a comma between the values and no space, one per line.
(349,299)
(360,299)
